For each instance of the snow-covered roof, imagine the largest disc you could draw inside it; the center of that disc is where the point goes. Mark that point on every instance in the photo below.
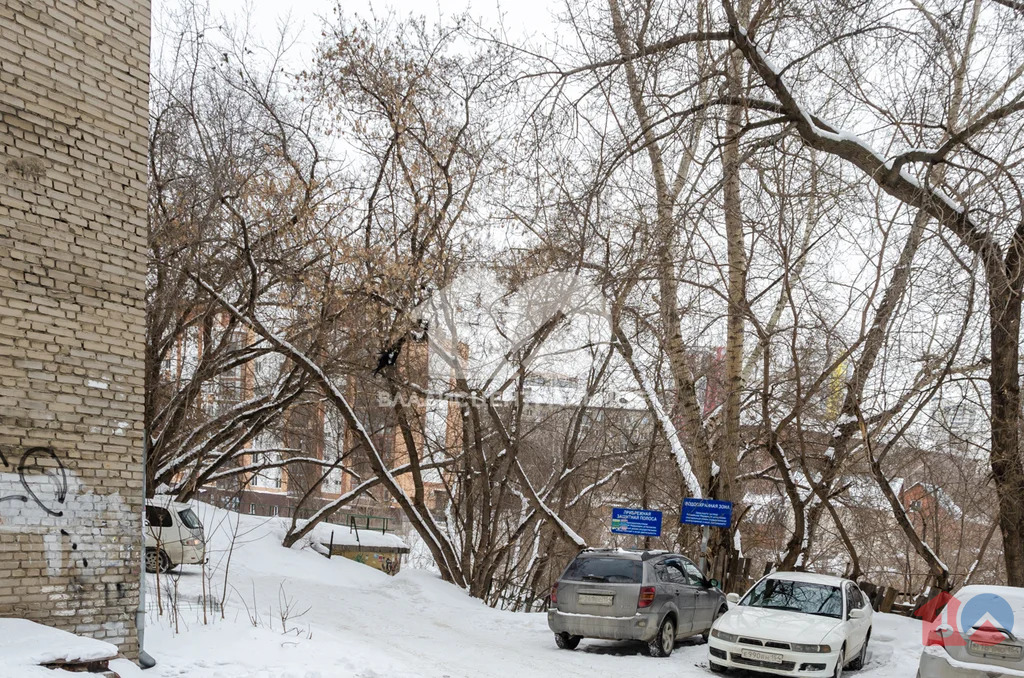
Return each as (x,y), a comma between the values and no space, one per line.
(347,536)
(25,644)
(758,500)
(945,501)
(863,491)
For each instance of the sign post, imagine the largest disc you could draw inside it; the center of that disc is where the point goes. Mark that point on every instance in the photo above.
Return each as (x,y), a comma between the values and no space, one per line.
(708,513)
(641,522)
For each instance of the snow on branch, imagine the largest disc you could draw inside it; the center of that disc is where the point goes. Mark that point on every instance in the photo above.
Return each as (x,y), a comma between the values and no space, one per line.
(891,177)
(596,484)
(262,466)
(547,510)
(338,399)
(327,510)
(669,430)
(533,497)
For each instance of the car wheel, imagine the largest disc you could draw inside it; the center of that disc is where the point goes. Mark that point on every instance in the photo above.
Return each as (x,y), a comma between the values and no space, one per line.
(707,633)
(717,668)
(567,642)
(664,642)
(840,662)
(862,658)
(157,561)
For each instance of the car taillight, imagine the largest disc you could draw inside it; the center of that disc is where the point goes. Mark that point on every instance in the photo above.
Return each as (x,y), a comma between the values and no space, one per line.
(554,594)
(937,635)
(646,596)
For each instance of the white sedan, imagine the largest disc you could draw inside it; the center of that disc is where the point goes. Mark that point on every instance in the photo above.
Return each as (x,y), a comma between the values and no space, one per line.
(793,624)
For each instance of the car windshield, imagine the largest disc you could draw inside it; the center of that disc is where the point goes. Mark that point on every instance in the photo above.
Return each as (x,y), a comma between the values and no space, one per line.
(609,570)
(190,519)
(798,596)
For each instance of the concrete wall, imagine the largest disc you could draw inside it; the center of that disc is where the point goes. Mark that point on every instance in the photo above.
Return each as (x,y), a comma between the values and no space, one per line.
(73,118)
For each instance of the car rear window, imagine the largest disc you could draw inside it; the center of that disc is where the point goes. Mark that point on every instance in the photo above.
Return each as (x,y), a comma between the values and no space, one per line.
(190,519)
(609,570)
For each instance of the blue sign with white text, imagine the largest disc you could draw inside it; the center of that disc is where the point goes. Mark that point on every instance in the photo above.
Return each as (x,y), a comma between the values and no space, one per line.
(710,512)
(636,521)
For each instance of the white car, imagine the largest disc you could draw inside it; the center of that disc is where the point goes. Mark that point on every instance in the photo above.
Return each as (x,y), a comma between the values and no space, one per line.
(174,535)
(793,624)
(976,635)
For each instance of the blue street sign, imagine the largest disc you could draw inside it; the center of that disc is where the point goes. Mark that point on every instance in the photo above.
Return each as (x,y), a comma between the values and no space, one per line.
(636,521)
(710,512)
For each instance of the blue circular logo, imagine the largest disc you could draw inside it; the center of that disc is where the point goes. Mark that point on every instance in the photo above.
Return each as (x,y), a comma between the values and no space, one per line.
(986,609)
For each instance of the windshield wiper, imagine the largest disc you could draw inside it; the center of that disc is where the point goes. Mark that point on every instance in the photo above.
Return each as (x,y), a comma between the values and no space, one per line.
(594,577)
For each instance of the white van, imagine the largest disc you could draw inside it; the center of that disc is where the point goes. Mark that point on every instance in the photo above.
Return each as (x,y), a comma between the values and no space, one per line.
(174,535)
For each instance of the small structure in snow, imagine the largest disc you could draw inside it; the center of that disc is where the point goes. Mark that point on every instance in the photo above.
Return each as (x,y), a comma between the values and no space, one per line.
(30,648)
(379,550)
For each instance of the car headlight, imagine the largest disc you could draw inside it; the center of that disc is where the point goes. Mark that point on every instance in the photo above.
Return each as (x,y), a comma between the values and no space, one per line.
(193,542)
(722,635)
(815,649)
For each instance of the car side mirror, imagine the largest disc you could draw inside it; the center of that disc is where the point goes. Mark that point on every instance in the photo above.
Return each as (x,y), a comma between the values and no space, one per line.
(733,598)
(858,613)
(715,584)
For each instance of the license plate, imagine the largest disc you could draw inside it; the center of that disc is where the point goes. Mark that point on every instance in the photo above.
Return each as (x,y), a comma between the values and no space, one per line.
(767,657)
(591,599)
(999,651)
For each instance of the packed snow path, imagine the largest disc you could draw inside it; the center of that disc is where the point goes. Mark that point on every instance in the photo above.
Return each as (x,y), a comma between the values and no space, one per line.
(360,622)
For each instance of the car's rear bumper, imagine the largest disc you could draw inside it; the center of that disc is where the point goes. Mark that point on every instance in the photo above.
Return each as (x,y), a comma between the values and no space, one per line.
(935,663)
(191,555)
(793,663)
(638,627)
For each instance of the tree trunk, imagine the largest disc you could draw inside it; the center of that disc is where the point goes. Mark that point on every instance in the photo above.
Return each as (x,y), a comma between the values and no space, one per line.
(727,449)
(693,434)
(1004,382)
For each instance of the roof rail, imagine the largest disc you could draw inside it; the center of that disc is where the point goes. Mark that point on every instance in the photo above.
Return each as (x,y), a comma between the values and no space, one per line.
(652,553)
(645,554)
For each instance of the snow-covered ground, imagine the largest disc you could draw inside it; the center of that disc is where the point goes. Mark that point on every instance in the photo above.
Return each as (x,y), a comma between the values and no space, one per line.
(347,619)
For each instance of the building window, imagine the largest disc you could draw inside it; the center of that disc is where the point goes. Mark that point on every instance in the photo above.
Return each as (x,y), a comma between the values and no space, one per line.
(332,483)
(268,477)
(274,510)
(252,509)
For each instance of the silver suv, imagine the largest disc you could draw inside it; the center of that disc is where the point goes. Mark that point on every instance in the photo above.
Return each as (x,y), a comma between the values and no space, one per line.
(651,596)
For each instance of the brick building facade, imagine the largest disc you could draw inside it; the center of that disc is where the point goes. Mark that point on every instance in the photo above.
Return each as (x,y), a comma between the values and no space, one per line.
(73,144)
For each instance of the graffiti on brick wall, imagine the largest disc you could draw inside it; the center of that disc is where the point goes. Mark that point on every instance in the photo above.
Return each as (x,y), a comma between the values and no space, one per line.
(82,532)
(35,460)
(72,527)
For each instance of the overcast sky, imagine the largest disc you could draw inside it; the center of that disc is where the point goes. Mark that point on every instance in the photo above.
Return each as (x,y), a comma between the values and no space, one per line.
(305,17)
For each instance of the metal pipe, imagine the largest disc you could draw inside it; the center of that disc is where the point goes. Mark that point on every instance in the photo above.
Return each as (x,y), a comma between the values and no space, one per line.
(145,660)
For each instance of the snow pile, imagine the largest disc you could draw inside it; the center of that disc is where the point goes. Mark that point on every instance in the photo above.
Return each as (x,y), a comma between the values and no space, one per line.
(291,613)
(25,645)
